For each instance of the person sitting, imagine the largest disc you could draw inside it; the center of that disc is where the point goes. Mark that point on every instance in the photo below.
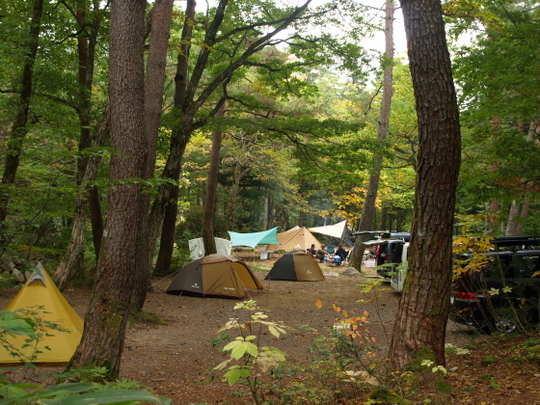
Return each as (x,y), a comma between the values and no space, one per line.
(319,255)
(342,253)
(337,260)
(312,251)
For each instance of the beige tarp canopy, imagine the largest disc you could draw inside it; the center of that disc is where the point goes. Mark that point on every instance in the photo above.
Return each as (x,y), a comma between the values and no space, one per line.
(335,231)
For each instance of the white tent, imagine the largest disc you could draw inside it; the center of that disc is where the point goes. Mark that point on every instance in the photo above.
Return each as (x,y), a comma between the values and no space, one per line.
(196,247)
(335,231)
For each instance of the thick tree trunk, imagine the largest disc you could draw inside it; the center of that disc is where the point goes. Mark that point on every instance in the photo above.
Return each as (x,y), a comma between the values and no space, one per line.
(105,322)
(420,325)
(19,128)
(368,209)
(153,90)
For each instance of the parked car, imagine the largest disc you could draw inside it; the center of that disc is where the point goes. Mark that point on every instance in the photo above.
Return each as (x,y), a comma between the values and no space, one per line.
(503,243)
(504,294)
(389,250)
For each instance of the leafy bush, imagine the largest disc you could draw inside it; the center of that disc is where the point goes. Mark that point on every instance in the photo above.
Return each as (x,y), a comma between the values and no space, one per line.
(68,393)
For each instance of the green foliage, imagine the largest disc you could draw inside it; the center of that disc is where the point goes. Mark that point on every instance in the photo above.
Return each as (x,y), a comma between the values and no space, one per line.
(74,394)
(121,392)
(497,72)
(30,322)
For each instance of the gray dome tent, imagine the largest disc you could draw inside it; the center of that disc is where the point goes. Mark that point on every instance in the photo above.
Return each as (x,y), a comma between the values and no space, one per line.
(296,266)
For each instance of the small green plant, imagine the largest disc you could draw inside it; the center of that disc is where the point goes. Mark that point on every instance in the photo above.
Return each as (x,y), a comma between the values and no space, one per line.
(489,360)
(31,323)
(222,338)
(434,367)
(247,358)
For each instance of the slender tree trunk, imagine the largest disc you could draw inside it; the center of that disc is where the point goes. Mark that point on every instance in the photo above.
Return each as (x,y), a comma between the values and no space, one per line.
(154,89)
(368,209)
(266,218)
(513,217)
(164,209)
(420,325)
(494,205)
(517,216)
(72,263)
(105,322)
(524,214)
(234,195)
(19,128)
(211,190)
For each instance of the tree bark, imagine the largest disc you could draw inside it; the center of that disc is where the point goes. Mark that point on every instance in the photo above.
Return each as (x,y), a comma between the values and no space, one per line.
(420,326)
(72,263)
(164,209)
(234,194)
(211,190)
(517,217)
(153,90)
(105,322)
(368,209)
(19,128)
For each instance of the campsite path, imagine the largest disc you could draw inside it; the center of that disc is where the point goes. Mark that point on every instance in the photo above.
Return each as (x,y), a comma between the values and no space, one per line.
(175,358)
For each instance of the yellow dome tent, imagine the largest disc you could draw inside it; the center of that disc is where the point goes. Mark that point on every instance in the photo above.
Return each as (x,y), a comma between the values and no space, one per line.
(41,296)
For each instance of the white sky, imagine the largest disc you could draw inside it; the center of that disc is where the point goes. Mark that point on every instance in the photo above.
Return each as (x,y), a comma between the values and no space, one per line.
(377,42)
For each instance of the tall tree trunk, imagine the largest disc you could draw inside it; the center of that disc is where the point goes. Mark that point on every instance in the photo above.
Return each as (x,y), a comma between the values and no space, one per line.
(266,217)
(153,91)
(19,128)
(420,325)
(87,165)
(494,205)
(524,214)
(368,209)
(513,217)
(164,209)
(105,322)
(517,216)
(211,190)
(234,194)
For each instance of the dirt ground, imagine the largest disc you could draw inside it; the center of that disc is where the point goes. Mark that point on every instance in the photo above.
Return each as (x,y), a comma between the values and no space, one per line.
(175,357)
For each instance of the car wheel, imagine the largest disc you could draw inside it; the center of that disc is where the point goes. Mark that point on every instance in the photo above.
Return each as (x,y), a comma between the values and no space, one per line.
(501,325)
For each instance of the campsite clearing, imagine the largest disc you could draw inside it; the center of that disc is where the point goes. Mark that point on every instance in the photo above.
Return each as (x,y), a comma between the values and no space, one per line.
(175,357)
